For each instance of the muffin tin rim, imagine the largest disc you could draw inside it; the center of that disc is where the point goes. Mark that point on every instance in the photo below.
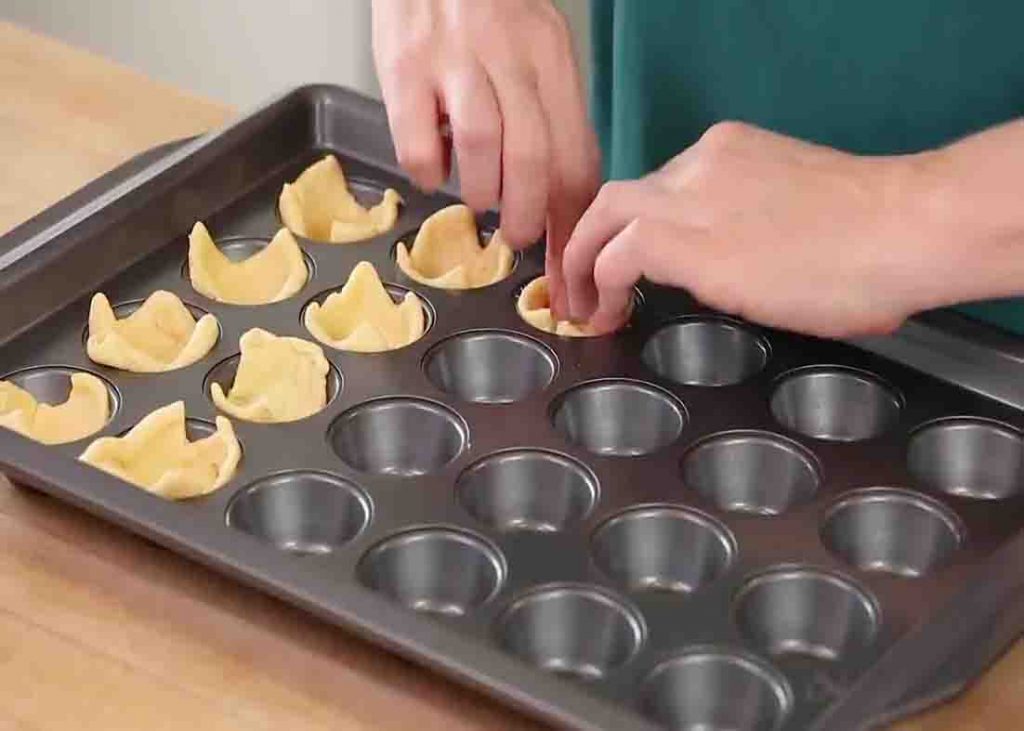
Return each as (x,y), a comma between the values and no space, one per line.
(536,344)
(878,493)
(359,492)
(583,469)
(757,335)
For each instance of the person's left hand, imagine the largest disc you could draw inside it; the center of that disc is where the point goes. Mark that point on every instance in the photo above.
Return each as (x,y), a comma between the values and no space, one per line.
(774,230)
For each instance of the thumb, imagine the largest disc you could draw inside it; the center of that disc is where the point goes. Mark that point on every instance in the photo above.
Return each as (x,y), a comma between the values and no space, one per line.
(565,209)
(647,248)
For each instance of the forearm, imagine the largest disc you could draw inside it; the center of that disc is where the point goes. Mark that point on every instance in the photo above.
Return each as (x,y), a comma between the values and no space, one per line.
(968,213)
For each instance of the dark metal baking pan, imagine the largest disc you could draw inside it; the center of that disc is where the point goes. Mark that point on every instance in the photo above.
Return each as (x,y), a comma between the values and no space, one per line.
(696,521)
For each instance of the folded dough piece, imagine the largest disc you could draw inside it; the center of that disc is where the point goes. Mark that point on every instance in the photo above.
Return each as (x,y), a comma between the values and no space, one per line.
(157,456)
(85,412)
(274,273)
(534,306)
(363,318)
(278,379)
(319,206)
(447,253)
(161,335)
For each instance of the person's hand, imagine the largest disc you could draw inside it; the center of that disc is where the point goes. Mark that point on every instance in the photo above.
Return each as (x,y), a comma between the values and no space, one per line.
(504,75)
(768,228)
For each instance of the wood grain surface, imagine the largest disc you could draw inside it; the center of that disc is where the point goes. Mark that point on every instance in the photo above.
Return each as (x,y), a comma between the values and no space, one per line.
(103,630)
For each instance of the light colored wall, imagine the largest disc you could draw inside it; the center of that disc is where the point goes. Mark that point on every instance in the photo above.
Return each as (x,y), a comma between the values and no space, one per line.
(237,51)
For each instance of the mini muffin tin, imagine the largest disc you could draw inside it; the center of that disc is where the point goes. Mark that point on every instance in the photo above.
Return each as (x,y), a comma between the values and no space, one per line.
(695,523)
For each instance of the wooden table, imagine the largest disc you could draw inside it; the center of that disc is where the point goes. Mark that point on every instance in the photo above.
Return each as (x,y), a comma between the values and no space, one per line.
(102,630)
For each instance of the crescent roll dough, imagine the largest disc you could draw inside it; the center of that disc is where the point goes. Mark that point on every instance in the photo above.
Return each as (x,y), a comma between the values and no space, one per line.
(363,318)
(534,306)
(157,456)
(161,335)
(274,273)
(278,379)
(319,206)
(85,412)
(447,253)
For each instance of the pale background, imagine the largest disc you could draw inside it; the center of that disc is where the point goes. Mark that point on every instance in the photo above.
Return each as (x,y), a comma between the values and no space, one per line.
(240,52)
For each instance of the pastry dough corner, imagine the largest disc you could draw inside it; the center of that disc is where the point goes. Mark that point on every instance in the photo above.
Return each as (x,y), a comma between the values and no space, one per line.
(447,254)
(363,318)
(272,274)
(157,456)
(82,414)
(534,306)
(161,335)
(319,205)
(278,379)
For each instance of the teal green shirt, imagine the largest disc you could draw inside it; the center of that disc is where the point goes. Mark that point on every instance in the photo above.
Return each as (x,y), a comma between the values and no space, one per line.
(866,76)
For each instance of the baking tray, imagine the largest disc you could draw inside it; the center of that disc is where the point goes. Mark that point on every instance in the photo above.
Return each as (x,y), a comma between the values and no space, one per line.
(568,594)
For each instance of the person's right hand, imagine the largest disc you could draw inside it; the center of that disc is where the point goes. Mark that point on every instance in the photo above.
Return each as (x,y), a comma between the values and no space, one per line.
(504,75)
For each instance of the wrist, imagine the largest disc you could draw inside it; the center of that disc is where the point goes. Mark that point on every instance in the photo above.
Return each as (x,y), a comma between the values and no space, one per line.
(968,236)
(940,249)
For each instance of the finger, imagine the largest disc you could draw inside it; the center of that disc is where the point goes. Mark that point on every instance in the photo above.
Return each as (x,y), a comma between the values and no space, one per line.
(575,156)
(566,206)
(556,285)
(476,131)
(524,157)
(414,118)
(645,248)
(617,205)
(564,213)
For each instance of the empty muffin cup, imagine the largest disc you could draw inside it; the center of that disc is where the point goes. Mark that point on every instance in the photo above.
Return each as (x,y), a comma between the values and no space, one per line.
(527,489)
(806,612)
(751,472)
(892,531)
(705,351)
(400,436)
(575,631)
(835,404)
(619,417)
(490,366)
(972,458)
(301,512)
(663,548)
(706,689)
(434,570)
